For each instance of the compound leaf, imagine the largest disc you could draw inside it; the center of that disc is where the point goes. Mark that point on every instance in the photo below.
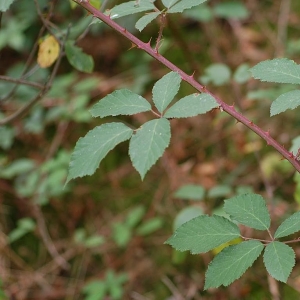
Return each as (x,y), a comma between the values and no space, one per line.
(165,90)
(191,106)
(289,100)
(149,144)
(250,210)
(231,263)
(91,149)
(145,20)
(203,233)
(281,70)
(131,7)
(78,59)
(184,4)
(279,260)
(120,102)
(288,226)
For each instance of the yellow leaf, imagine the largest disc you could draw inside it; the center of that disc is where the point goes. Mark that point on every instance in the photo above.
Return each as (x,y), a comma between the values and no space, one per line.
(48,52)
(96,3)
(221,247)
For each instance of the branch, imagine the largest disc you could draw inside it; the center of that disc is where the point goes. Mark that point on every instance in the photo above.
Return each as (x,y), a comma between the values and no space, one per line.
(22,81)
(230,109)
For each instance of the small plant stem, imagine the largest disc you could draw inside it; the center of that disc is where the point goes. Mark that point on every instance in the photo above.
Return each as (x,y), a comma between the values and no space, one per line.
(161,29)
(253,239)
(230,109)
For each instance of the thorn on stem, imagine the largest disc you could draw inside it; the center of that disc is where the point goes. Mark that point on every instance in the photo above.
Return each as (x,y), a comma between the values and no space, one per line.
(149,43)
(192,76)
(232,107)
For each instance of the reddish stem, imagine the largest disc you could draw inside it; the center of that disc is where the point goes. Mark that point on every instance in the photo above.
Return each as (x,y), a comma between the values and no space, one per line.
(190,79)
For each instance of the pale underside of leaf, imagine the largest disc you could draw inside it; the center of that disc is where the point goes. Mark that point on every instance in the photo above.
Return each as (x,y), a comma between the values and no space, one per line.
(203,233)
(279,260)
(120,102)
(250,210)
(281,70)
(165,90)
(5,4)
(145,20)
(191,106)
(92,148)
(184,4)
(289,100)
(288,226)
(148,144)
(231,263)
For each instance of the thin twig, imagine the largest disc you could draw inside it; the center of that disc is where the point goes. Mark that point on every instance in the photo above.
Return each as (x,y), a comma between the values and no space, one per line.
(282,23)
(42,227)
(177,295)
(22,81)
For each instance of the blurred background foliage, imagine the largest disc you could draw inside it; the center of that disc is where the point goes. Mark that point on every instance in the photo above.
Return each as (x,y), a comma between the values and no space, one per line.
(102,237)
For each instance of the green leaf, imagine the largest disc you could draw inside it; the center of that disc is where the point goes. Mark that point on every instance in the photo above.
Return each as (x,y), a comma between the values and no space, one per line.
(78,59)
(281,70)
(186,215)
(7,137)
(94,290)
(279,260)
(145,20)
(250,210)
(295,145)
(94,241)
(121,234)
(91,149)
(150,226)
(218,74)
(165,90)
(131,7)
(231,10)
(231,263)
(190,192)
(135,216)
(169,3)
(149,144)
(120,102)
(5,4)
(288,226)
(219,191)
(18,167)
(289,100)
(24,226)
(184,4)
(242,74)
(201,13)
(203,233)
(191,106)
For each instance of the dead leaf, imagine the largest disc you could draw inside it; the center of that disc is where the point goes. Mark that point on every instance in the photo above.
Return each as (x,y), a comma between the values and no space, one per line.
(48,52)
